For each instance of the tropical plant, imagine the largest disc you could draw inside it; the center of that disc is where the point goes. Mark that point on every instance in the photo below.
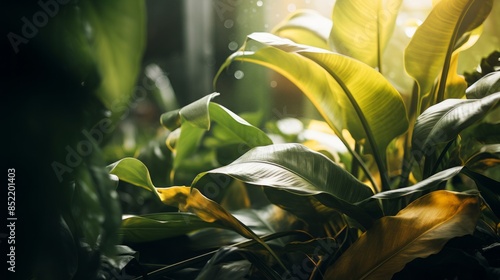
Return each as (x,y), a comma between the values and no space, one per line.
(416,186)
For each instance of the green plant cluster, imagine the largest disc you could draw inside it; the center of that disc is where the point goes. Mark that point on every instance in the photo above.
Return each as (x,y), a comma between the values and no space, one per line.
(412,192)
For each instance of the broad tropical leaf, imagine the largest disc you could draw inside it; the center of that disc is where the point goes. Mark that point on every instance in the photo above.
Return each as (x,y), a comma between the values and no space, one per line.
(362,28)
(300,171)
(306,27)
(435,40)
(419,230)
(342,89)
(442,122)
(424,185)
(159,226)
(487,85)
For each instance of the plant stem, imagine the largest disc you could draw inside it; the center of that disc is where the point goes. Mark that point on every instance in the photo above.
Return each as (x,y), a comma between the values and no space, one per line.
(407,157)
(354,163)
(357,158)
(441,156)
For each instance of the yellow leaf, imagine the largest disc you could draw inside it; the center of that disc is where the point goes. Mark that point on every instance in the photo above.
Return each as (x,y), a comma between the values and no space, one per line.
(419,230)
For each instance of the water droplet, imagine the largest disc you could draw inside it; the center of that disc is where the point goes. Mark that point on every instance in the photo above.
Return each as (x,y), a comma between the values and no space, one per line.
(239,74)
(260,3)
(274,84)
(232,45)
(291,8)
(228,23)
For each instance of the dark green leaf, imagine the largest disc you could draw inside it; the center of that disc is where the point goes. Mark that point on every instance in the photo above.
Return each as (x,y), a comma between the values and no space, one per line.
(301,171)
(487,85)
(444,121)
(158,226)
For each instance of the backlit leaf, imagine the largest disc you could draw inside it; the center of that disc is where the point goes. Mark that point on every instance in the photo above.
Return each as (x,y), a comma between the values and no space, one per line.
(342,89)
(362,28)
(435,40)
(306,27)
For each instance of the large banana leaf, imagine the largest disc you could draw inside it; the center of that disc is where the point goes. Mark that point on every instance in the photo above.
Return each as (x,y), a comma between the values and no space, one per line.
(442,122)
(435,40)
(300,171)
(306,27)
(362,28)
(419,230)
(342,89)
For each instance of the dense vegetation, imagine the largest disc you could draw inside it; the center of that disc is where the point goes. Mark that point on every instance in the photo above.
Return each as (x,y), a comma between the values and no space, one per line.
(383,181)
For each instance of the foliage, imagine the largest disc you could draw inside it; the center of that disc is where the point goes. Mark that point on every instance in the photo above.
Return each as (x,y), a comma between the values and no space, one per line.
(412,178)
(70,67)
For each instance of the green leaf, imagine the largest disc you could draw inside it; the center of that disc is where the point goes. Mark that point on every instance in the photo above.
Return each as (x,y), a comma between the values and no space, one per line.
(362,28)
(489,188)
(238,129)
(196,113)
(152,227)
(424,185)
(305,27)
(487,85)
(184,198)
(419,230)
(444,121)
(342,89)
(116,31)
(132,171)
(300,171)
(435,40)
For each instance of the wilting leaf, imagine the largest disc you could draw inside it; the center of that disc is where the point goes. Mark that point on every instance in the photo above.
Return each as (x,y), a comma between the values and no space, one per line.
(342,89)
(419,230)
(158,226)
(263,221)
(487,85)
(435,40)
(306,27)
(442,122)
(184,198)
(362,28)
(299,170)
